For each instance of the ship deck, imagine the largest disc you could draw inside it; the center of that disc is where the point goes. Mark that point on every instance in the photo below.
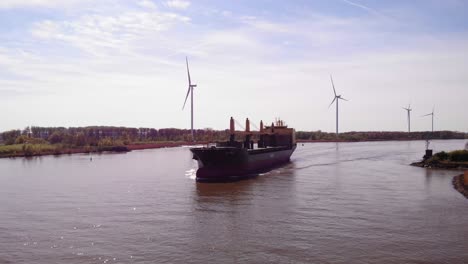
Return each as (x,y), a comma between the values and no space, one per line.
(267,149)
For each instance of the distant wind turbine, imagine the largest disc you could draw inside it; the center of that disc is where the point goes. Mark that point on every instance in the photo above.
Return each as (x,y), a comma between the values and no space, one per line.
(337,98)
(190,91)
(431,114)
(409,117)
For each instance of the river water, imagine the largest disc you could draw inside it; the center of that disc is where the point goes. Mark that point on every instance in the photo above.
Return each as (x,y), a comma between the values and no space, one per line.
(334,203)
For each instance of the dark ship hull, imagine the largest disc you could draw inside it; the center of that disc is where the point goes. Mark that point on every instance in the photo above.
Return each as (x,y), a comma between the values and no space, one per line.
(218,164)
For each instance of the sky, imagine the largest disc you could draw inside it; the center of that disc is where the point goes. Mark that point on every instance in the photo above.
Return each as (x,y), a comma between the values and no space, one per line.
(122,63)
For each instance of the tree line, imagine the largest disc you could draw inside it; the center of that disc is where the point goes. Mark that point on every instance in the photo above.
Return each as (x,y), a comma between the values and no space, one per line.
(379,135)
(105,135)
(109,135)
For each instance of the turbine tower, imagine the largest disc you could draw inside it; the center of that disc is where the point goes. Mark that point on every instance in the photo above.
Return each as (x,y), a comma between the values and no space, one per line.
(432,114)
(337,98)
(409,117)
(190,91)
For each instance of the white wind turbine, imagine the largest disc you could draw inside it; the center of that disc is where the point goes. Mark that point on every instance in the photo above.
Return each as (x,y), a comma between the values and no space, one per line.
(190,91)
(431,114)
(337,98)
(409,117)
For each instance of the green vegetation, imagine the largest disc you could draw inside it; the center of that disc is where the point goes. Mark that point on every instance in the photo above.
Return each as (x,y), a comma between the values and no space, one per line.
(27,149)
(456,156)
(380,135)
(83,136)
(34,141)
(457,159)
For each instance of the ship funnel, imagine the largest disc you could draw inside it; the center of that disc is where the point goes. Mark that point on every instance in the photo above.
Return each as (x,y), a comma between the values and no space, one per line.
(261,126)
(247,125)
(232,128)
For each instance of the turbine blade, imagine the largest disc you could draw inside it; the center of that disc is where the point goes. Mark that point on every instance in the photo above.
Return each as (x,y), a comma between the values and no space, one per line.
(188,73)
(428,114)
(188,92)
(343,99)
(333,85)
(332,102)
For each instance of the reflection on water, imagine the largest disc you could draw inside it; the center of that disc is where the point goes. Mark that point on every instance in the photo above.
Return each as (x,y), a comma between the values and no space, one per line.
(334,203)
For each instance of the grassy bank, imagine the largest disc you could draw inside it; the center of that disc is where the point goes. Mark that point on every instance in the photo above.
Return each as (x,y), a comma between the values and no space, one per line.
(29,150)
(18,150)
(457,159)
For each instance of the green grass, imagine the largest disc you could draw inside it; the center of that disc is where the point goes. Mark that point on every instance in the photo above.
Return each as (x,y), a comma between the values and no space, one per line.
(27,149)
(10,149)
(455,156)
(20,150)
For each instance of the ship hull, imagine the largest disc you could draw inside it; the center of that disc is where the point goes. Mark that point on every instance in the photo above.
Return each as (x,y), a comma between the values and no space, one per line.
(230,164)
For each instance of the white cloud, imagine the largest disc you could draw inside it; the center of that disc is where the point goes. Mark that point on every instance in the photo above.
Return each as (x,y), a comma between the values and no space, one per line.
(179,4)
(7,4)
(104,34)
(147,4)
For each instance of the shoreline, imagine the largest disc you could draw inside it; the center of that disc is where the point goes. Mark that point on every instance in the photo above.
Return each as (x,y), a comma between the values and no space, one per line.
(109,149)
(444,165)
(153,145)
(458,184)
(364,140)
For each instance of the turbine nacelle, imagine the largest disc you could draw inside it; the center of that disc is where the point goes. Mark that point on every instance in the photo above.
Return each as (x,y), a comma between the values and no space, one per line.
(341,98)
(408,108)
(431,113)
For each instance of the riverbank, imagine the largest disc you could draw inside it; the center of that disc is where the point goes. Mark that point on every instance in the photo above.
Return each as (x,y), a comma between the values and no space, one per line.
(33,150)
(44,149)
(457,159)
(459,184)
(436,164)
(351,141)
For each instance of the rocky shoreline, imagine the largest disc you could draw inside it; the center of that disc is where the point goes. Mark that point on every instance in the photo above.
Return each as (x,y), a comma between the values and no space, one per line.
(435,164)
(459,184)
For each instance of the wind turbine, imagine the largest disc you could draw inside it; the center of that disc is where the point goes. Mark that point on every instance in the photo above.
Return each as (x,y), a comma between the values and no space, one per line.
(432,114)
(409,117)
(190,91)
(337,98)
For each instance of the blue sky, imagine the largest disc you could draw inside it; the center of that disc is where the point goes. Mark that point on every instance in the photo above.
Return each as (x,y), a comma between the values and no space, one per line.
(121,62)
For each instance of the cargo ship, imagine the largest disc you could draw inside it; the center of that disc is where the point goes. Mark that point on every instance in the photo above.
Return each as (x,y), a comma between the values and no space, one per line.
(246,153)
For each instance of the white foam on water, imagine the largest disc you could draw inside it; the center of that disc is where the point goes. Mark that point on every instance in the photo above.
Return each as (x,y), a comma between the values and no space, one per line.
(191,174)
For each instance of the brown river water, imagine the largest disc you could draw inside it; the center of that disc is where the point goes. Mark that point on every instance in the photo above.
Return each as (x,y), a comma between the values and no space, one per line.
(334,203)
